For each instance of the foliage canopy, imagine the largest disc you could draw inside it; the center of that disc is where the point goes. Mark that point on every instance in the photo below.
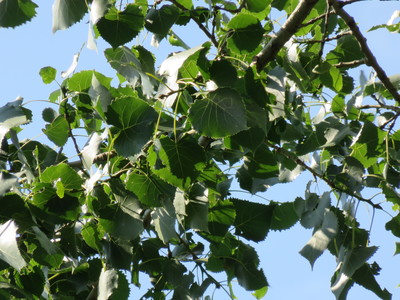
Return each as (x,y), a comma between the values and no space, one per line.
(150,192)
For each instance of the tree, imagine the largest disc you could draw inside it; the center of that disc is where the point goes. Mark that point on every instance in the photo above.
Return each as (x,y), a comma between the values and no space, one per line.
(151,190)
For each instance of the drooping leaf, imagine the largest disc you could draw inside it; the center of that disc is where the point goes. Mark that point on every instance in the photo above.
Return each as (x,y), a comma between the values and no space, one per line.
(108,283)
(57,131)
(119,27)
(252,220)
(315,211)
(164,222)
(125,62)
(11,115)
(321,238)
(220,114)
(9,251)
(7,181)
(134,120)
(67,13)
(159,21)
(14,13)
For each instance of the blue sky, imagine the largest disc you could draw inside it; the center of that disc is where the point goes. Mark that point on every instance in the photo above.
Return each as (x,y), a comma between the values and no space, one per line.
(28,48)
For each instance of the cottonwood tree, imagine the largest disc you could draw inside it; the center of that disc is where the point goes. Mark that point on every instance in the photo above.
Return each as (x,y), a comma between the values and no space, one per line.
(150,192)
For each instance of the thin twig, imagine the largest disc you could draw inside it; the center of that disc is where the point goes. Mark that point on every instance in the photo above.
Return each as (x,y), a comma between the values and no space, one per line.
(329,182)
(371,59)
(327,39)
(350,64)
(269,52)
(316,19)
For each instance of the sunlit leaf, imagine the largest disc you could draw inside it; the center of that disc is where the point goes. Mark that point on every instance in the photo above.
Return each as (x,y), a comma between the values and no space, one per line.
(67,13)
(9,251)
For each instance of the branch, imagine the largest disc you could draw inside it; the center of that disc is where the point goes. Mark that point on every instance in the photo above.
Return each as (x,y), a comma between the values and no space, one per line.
(327,39)
(288,29)
(329,182)
(195,19)
(370,58)
(350,64)
(312,21)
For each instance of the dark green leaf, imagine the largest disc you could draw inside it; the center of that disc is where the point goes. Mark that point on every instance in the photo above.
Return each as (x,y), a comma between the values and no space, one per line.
(223,73)
(159,21)
(257,5)
(252,220)
(134,120)
(220,114)
(394,225)
(347,50)
(247,33)
(119,27)
(49,114)
(284,216)
(16,12)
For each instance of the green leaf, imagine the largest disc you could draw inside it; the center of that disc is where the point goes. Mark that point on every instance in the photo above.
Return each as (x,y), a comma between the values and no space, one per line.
(221,113)
(246,268)
(7,181)
(48,74)
(125,62)
(330,76)
(68,176)
(164,222)
(54,254)
(260,293)
(350,261)
(16,12)
(9,251)
(160,21)
(179,162)
(11,115)
(247,33)
(197,208)
(284,216)
(223,73)
(394,225)
(378,87)
(321,238)
(67,13)
(57,131)
(347,50)
(252,220)
(257,5)
(92,235)
(315,210)
(150,190)
(49,114)
(120,27)
(133,120)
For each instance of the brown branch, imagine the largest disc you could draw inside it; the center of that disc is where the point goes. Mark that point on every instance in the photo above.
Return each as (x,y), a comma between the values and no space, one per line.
(288,29)
(329,182)
(370,58)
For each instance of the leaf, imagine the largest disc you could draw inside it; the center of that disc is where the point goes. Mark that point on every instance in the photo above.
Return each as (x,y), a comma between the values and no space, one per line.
(92,235)
(179,162)
(68,176)
(48,74)
(314,214)
(257,5)
(49,114)
(394,225)
(11,115)
(283,216)
(223,73)
(247,33)
(120,27)
(108,283)
(57,131)
(378,87)
(9,251)
(14,13)
(164,222)
(133,120)
(97,10)
(159,21)
(169,70)
(150,190)
(347,50)
(67,13)
(197,208)
(252,220)
(7,181)
(350,262)
(221,113)
(321,238)
(125,62)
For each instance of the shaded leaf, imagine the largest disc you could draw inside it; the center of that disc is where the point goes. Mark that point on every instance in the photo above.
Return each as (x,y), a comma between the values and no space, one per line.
(159,21)
(221,113)
(284,216)
(14,13)
(164,222)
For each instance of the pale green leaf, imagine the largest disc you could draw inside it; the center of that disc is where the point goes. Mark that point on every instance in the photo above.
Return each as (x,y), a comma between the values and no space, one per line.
(67,13)
(9,251)
(11,115)
(7,181)
(108,283)
(321,238)
(164,222)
